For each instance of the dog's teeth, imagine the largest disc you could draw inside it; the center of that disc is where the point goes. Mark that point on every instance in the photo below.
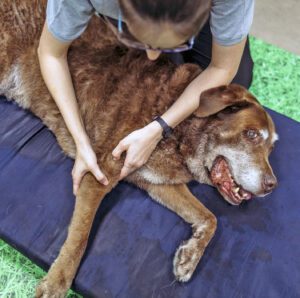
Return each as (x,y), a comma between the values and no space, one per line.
(236,190)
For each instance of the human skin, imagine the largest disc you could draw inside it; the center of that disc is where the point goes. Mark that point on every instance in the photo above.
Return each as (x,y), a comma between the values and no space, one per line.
(139,144)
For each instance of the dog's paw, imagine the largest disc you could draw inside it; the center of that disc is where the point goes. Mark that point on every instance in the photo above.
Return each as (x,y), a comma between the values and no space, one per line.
(186,259)
(47,289)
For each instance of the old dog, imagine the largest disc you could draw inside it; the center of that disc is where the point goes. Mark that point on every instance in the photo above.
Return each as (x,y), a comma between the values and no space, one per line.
(225,143)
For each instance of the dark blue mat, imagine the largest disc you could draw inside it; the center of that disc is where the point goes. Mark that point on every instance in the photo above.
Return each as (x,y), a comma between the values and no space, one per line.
(255,253)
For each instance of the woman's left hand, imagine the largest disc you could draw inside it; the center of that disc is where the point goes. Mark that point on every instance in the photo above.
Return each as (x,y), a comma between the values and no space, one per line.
(138,146)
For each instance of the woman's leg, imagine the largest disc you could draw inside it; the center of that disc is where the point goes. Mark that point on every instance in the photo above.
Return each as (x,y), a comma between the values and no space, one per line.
(201,55)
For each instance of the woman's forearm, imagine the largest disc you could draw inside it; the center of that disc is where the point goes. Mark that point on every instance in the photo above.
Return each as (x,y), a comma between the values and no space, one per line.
(56,74)
(188,101)
(52,55)
(222,69)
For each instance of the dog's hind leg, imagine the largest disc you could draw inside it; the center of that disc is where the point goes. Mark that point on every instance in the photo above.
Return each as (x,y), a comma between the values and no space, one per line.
(61,274)
(179,199)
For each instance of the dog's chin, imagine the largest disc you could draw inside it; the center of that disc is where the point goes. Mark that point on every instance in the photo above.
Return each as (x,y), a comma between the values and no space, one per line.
(223,180)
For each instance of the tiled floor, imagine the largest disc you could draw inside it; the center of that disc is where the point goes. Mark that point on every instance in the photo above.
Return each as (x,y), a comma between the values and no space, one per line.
(278,22)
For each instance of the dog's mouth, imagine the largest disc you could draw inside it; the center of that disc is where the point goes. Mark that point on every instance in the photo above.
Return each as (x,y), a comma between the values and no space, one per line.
(223,180)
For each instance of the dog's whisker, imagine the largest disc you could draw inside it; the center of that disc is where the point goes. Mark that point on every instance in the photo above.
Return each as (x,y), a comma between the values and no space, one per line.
(169,285)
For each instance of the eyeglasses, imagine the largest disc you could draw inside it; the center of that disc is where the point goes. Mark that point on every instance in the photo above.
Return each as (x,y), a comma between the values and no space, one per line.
(123,34)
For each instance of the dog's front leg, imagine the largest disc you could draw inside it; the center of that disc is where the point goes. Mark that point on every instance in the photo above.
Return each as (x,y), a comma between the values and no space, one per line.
(179,199)
(60,276)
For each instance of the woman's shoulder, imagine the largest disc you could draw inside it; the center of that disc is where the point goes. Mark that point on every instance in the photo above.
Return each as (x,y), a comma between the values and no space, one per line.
(231,20)
(108,8)
(67,20)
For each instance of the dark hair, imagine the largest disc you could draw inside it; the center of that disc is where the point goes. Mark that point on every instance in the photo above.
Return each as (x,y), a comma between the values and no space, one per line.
(189,14)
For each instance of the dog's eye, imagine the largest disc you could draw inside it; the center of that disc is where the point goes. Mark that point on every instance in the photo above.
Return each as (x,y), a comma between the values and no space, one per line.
(252,134)
(234,108)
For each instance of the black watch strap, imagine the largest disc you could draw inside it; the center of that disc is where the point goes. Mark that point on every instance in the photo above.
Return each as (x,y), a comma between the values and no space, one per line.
(167,130)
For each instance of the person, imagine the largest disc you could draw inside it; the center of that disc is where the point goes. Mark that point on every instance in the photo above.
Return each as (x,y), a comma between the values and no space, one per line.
(212,33)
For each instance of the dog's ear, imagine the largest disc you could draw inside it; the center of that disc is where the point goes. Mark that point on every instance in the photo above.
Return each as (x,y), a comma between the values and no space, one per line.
(217,99)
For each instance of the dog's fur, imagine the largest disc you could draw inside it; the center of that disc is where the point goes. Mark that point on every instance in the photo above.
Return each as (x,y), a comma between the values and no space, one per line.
(119,91)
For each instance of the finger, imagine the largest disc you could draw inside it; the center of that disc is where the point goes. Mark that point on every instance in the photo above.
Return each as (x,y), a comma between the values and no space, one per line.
(126,170)
(121,147)
(77,177)
(75,188)
(100,176)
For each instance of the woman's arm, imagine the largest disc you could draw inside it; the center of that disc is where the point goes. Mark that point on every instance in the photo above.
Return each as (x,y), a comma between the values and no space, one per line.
(222,69)
(52,55)
(141,143)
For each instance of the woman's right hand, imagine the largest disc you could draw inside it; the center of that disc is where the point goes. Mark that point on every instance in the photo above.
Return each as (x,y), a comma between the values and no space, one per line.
(86,161)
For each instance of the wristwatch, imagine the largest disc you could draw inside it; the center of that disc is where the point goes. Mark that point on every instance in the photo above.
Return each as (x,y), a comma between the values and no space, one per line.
(167,130)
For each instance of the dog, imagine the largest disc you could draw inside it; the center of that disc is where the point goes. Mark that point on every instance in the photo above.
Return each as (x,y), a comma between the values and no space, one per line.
(224,143)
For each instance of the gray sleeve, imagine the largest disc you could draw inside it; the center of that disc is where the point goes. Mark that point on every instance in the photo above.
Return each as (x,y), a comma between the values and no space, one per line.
(67,19)
(231,20)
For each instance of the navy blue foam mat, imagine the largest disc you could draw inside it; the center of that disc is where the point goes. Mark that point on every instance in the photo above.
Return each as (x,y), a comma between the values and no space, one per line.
(255,252)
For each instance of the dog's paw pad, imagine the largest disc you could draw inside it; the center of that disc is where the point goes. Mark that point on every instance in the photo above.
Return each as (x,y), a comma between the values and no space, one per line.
(186,259)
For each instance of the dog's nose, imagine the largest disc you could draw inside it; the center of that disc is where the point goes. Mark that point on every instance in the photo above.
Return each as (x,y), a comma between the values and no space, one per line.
(269,183)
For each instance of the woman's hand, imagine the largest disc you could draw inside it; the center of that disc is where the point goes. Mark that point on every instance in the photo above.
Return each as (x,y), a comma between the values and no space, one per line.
(86,161)
(139,146)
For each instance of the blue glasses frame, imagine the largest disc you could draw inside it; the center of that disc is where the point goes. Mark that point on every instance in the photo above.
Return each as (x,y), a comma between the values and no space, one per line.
(130,42)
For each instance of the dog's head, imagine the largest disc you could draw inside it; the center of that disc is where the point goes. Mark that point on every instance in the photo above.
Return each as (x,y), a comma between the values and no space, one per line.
(240,136)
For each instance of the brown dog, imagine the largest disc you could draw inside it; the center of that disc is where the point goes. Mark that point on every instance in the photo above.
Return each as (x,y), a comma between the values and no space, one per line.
(225,143)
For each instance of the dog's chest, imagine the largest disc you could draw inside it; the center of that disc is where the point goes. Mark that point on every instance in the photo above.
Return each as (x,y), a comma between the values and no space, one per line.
(151,176)
(163,175)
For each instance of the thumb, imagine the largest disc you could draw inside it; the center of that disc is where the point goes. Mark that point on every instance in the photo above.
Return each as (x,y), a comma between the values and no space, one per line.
(100,176)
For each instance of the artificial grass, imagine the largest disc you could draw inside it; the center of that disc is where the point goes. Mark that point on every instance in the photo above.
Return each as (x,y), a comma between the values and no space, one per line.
(276,84)
(276,80)
(18,275)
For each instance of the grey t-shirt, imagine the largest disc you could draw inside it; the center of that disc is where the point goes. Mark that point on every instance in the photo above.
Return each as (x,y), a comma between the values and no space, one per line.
(230,20)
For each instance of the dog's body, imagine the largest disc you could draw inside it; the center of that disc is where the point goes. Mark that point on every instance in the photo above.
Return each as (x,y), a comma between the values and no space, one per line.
(118,91)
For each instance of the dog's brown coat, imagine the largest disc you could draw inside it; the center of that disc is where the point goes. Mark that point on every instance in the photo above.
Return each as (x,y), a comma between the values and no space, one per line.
(118,91)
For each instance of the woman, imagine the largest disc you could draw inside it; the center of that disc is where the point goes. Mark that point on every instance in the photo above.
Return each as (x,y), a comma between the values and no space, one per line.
(156,26)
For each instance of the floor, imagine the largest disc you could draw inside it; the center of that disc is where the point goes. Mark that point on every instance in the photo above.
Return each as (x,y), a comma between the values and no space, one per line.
(278,22)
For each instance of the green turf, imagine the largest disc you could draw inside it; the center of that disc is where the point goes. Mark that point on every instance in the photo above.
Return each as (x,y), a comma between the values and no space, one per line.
(18,275)
(276,81)
(277,85)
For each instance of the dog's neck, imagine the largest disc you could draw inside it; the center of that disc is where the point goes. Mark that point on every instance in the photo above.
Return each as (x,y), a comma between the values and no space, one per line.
(191,137)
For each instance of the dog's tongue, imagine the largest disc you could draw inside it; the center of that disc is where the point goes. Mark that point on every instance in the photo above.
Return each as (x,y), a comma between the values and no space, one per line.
(220,173)
(223,180)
